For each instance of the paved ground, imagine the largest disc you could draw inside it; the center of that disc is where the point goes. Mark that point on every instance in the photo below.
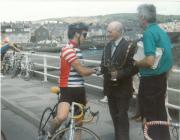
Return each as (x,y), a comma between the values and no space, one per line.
(15,127)
(30,98)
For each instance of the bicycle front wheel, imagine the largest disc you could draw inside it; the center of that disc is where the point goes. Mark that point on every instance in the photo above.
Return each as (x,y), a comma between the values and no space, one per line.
(25,75)
(80,133)
(31,69)
(15,71)
(46,116)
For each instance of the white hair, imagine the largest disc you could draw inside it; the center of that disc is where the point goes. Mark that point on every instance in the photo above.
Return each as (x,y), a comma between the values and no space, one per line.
(148,12)
(116,25)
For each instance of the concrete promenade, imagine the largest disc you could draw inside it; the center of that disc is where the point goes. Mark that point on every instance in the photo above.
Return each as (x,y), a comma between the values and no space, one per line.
(29,98)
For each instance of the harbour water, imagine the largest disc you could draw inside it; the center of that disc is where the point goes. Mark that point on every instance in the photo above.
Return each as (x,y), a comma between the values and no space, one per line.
(87,54)
(93,54)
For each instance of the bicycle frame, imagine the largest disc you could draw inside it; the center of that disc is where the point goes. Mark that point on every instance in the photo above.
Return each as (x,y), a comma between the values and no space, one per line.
(72,123)
(73,117)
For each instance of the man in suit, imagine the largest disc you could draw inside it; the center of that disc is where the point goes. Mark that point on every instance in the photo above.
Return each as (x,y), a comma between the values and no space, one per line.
(117,67)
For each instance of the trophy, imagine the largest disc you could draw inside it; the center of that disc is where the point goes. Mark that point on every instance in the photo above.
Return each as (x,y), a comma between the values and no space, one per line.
(112,69)
(113,73)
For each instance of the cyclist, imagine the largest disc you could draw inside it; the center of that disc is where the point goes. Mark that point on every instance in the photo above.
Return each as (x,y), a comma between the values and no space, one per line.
(7,46)
(71,74)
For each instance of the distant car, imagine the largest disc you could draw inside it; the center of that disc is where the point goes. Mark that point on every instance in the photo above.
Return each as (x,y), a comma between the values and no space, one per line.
(32,51)
(92,48)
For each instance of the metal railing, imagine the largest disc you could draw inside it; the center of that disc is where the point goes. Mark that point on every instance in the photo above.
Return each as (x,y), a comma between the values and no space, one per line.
(46,74)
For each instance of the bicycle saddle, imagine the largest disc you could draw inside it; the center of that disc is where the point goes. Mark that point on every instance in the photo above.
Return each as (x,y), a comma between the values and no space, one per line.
(55,90)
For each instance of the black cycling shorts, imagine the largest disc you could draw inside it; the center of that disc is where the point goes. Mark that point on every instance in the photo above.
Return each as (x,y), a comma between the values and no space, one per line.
(73,94)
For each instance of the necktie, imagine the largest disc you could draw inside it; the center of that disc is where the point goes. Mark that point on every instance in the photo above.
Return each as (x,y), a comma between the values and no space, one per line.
(113,48)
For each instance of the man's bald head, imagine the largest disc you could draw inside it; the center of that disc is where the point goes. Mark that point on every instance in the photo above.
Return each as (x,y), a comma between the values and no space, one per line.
(116,25)
(115,30)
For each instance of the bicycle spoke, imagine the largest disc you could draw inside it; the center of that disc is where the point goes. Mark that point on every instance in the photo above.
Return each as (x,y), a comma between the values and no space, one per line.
(46,116)
(80,133)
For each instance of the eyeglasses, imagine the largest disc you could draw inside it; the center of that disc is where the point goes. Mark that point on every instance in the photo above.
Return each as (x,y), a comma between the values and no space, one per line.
(84,35)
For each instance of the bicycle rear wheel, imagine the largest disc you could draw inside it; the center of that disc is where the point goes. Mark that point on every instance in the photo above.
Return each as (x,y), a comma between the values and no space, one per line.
(46,116)
(32,68)
(80,133)
(25,75)
(16,70)
(4,69)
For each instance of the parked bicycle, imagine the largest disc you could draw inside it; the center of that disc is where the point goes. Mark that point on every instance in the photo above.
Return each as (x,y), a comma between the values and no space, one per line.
(70,130)
(17,65)
(23,68)
(175,126)
(6,64)
(27,70)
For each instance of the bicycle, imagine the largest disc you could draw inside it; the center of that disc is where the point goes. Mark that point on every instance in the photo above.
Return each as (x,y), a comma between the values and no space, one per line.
(17,65)
(6,64)
(175,126)
(27,70)
(70,128)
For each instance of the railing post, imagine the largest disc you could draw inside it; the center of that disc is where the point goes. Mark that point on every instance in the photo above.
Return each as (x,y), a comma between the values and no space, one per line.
(166,102)
(45,68)
(27,61)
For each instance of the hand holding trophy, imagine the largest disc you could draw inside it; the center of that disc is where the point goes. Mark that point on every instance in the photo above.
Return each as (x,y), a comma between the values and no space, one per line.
(114,73)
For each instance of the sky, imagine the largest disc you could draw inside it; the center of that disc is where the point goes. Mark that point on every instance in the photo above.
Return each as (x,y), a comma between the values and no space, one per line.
(29,10)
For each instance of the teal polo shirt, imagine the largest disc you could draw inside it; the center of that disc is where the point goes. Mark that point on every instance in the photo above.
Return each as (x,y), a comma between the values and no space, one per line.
(154,37)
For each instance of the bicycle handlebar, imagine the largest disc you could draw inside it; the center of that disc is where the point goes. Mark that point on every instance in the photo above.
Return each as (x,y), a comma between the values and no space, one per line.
(152,123)
(83,110)
(81,107)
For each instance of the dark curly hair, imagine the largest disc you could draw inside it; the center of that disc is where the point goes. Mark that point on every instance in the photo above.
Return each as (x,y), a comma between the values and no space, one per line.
(76,27)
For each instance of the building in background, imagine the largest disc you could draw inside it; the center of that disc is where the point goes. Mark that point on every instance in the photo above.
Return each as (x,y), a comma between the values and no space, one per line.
(18,32)
(42,33)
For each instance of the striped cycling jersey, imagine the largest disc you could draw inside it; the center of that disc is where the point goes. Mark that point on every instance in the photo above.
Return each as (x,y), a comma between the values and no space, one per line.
(69,77)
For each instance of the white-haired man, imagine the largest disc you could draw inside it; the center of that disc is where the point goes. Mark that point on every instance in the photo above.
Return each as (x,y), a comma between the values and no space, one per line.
(153,81)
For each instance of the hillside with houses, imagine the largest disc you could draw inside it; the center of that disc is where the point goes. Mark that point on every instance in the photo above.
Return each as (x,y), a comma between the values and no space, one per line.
(53,32)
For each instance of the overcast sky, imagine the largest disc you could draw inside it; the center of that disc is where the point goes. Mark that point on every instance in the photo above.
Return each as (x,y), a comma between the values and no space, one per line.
(19,10)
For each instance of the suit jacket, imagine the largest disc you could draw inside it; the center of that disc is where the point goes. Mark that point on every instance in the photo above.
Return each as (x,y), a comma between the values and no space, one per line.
(122,59)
